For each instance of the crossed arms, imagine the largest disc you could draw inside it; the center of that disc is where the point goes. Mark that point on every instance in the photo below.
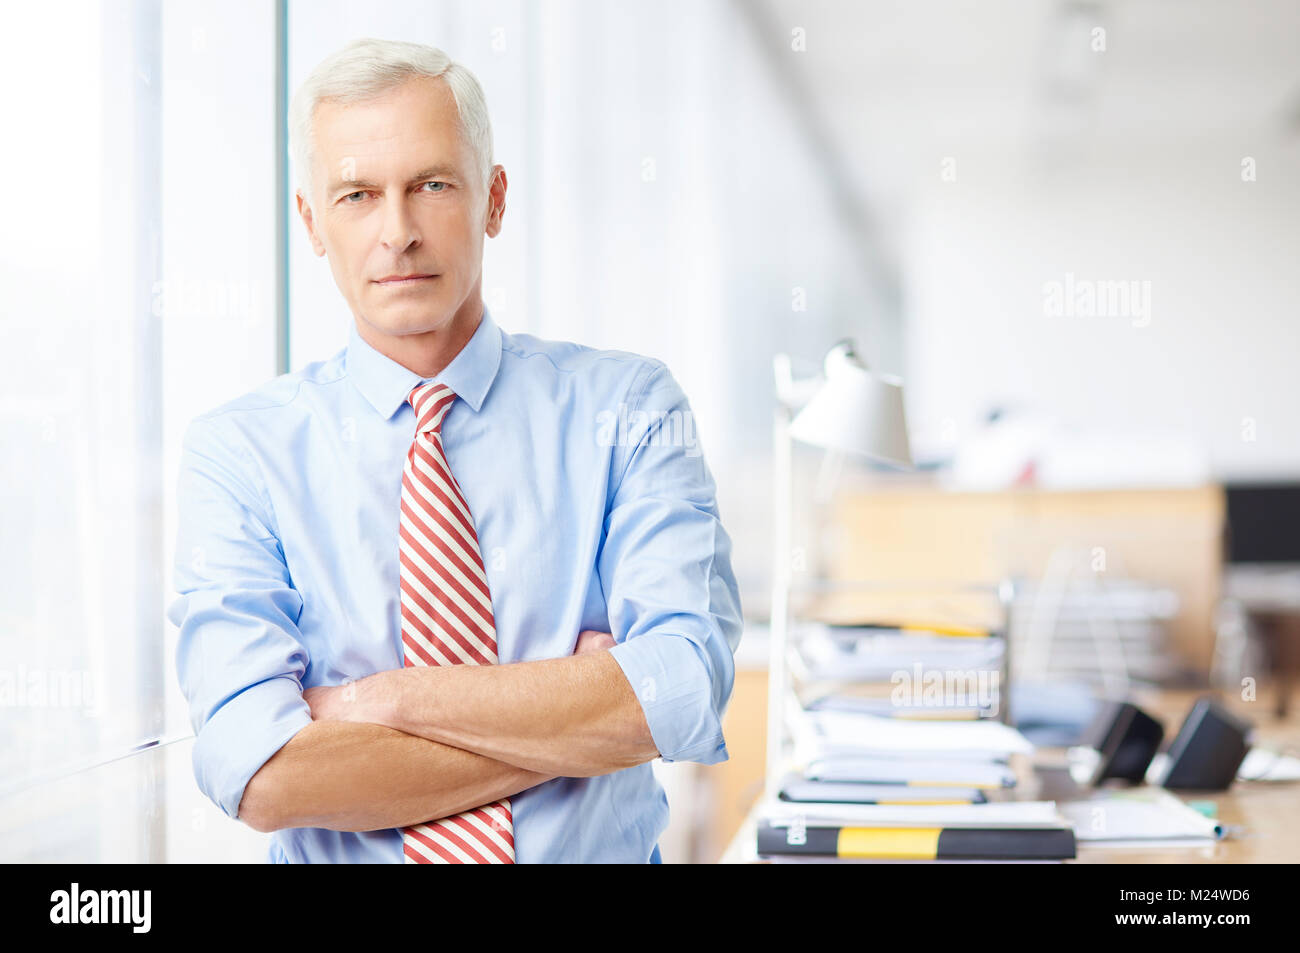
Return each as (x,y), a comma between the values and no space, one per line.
(386,752)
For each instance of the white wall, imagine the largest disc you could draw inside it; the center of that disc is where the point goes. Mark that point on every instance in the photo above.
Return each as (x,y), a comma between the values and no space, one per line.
(1221,344)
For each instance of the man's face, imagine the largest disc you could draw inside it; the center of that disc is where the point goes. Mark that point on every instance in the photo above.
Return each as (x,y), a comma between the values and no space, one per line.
(398,191)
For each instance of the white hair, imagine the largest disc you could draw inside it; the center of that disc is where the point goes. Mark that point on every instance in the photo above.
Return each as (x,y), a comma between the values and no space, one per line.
(366,68)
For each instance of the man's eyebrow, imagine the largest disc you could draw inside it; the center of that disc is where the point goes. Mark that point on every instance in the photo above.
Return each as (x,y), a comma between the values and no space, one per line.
(432,171)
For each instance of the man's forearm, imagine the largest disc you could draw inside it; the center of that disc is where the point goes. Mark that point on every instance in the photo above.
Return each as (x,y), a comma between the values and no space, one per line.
(569,717)
(347,776)
(577,716)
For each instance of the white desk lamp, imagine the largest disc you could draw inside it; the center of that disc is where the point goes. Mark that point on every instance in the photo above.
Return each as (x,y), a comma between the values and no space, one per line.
(853,411)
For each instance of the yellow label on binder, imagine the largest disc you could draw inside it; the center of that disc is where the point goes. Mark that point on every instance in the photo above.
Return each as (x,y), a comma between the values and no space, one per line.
(893,843)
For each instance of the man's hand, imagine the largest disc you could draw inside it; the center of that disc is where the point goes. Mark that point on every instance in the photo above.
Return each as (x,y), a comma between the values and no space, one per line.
(334,702)
(592,641)
(367,699)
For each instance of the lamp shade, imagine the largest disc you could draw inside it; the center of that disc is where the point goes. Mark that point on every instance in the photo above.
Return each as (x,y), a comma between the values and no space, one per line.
(856,411)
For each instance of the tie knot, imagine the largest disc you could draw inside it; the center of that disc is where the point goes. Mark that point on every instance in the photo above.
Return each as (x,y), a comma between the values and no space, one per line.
(430,402)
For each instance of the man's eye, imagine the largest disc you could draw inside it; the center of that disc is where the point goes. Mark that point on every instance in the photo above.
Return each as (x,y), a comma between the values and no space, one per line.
(349,195)
(441,186)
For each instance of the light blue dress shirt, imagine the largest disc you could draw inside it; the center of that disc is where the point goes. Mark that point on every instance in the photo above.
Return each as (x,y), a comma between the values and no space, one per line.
(594,510)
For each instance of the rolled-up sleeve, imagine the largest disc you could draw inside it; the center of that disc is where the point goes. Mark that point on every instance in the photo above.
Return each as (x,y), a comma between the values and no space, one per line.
(239,656)
(665,569)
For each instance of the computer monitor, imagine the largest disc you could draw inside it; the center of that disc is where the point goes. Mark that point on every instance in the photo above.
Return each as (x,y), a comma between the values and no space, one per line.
(1263,522)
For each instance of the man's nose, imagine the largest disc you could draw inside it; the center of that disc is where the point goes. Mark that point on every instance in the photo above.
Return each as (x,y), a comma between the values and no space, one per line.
(399,232)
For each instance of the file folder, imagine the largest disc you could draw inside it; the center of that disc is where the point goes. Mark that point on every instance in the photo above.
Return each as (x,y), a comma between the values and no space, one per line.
(918,843)
(795,787)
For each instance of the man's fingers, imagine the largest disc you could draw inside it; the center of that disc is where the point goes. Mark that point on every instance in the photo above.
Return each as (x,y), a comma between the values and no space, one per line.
(589,640)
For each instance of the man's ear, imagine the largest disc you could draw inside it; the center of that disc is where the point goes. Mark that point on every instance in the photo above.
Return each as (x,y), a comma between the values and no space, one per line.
(496,201)
(304,210)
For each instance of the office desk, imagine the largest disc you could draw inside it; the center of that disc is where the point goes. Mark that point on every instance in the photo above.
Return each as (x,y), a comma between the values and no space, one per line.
(1269,811)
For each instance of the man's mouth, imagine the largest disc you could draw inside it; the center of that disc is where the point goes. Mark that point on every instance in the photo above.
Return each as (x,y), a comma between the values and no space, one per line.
(398,281)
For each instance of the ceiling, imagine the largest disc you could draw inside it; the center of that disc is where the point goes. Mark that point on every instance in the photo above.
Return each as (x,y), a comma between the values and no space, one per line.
(888,88)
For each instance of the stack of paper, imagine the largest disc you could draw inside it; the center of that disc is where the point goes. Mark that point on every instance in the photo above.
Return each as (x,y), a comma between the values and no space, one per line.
(796,787)
(876,654)
(894,770)
(894,789)
(854,757)
(830,734)
(1139,817)
(885,707)
(995,814)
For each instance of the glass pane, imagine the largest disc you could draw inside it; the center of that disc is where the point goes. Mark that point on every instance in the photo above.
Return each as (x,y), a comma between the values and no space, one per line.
(80,505)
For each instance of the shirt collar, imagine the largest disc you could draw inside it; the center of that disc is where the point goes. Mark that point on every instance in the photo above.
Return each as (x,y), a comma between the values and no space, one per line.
(386,384)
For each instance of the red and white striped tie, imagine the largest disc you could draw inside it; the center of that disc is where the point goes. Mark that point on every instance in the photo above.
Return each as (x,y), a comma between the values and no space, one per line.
(446,618)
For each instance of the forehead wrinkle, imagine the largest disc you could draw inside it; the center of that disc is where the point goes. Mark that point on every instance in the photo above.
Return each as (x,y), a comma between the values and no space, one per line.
(368,149)
(367,137)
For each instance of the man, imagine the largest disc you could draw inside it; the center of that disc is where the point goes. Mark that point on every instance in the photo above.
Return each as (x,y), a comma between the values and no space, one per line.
(444,596)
